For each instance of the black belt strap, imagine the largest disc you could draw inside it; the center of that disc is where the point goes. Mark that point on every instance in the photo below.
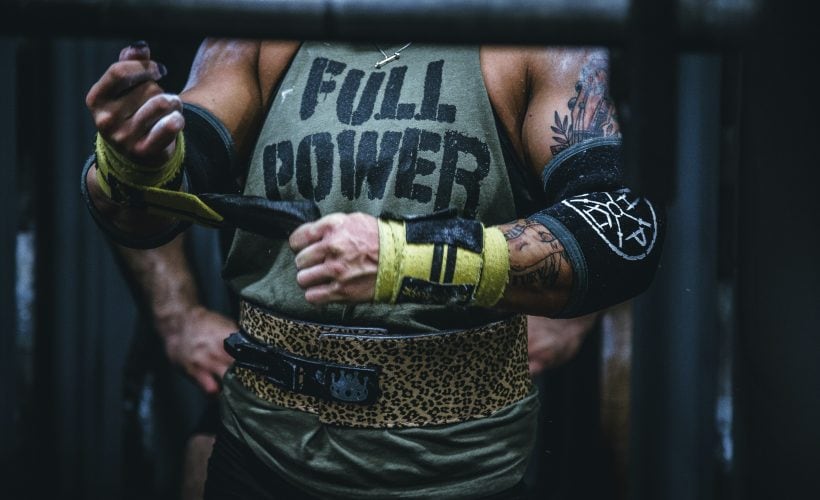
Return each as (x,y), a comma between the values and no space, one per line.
(273,219)
(328,381)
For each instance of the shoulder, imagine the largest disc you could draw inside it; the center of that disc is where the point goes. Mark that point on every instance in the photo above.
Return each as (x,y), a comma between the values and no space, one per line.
(553,69)
(534,91)
(234,80)
(514,75)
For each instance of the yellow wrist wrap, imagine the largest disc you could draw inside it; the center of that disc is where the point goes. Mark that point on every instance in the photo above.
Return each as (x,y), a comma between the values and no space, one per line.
(112,164)
(436,273)
(128,183)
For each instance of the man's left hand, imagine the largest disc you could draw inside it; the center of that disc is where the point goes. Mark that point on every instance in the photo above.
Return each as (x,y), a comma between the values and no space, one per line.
(553,342)
(337,258)
(193,341)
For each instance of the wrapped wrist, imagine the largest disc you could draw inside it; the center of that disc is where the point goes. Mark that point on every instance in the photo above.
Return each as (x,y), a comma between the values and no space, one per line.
(434,260)
(117,234)
(157,190)
(122,180)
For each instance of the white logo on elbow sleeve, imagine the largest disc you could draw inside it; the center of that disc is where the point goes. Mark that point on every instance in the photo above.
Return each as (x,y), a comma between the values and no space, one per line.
(628,226)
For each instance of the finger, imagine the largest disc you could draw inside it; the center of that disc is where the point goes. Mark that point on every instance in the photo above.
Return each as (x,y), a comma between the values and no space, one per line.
(222,370)
(316,275)
(353,290)
(146,117)
(131,102)
(305,235)
(112,119)
(311,232)
(137,50)
(122,76)
(324,294)
(158,145)
(219,360)
(312,255)
(222,364)
(206,381)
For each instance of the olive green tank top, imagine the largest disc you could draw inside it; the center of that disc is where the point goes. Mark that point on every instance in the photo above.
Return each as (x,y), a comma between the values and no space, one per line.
(415,136)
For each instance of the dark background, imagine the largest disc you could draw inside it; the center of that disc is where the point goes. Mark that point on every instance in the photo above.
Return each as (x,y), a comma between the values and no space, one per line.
(726,386)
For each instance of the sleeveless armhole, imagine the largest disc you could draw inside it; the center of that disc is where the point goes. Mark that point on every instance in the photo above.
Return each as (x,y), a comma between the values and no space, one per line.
(526,187)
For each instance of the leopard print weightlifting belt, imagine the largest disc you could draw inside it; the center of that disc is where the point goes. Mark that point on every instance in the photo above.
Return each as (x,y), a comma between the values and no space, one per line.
(369,377)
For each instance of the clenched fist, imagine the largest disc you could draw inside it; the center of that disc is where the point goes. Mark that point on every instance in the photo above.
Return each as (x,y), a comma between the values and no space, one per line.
(132,112)
(337,258)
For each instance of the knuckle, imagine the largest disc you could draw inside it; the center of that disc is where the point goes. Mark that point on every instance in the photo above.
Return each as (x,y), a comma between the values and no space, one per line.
(105,122)
(118,71)
(336,268)
(161,103)
(335,249)
(173,100)
(118,138)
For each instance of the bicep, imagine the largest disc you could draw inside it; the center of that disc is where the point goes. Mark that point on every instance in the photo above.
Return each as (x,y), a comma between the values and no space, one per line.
(569,103)
(594,243)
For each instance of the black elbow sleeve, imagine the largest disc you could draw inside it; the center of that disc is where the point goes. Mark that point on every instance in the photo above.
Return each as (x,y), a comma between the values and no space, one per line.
(210,158)
(611,236)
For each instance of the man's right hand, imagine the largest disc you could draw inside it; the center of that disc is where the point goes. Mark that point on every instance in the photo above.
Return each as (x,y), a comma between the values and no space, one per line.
(196,345)
(132,112)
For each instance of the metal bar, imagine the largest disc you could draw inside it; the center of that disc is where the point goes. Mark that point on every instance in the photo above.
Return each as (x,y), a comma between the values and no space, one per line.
(675,344)
(34,97)
(9,397)
(777,370)
(604,22)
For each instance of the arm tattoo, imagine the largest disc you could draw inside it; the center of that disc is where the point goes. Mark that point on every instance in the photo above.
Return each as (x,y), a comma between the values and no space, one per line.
(538,257)
(591,112)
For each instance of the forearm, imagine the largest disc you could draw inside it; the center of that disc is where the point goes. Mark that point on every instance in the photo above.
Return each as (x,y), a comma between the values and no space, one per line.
(167,292)
(584,253)
(163,284)
(540,275)
(153,154)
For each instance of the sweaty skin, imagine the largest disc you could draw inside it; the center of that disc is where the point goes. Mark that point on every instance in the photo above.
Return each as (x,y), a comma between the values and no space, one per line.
(531,90)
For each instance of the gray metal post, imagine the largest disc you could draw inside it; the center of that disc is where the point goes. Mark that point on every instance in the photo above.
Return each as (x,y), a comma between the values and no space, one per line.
(675,344)
(8,237)
(778,341)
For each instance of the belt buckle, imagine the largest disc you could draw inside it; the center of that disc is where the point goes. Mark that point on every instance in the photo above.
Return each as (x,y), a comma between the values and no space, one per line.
(328,381)
(270,363)
(289,371)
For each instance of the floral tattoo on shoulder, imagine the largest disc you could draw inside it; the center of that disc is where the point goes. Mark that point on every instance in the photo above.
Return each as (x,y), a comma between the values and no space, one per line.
(591,112)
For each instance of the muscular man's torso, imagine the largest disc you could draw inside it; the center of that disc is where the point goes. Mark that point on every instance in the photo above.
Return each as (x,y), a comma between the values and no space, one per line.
(414,137)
